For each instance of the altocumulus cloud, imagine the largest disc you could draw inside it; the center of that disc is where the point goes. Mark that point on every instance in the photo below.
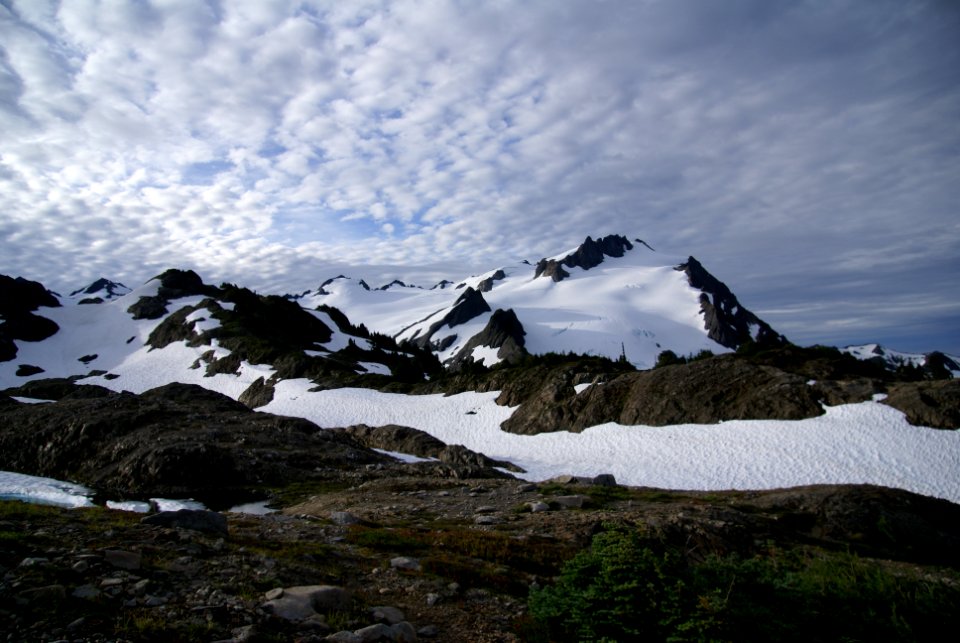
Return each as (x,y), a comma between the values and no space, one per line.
(806,152)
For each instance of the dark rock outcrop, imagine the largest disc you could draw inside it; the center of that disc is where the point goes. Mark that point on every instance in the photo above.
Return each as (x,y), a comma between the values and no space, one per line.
(174,284)
(487,284)
(935,404)
(726,321)
(58,388)
(404,439)
(22,295)
(258,394)
(503,332)
(18,299)
(469,304)
(702,392)
(173,441)
(588,255)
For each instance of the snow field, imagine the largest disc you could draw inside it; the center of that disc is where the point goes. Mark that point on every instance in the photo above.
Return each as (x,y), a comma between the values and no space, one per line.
(856,443)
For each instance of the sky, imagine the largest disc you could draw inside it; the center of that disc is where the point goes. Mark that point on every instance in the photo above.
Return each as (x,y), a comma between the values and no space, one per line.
(807,153)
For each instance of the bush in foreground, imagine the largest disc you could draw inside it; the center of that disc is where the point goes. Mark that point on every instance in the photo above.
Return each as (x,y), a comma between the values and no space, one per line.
(626,588)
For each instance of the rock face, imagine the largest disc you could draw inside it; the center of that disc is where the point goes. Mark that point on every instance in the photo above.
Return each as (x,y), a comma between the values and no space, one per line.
(487,284)
(404,439)
(173,285)
(18,299)
(588,255)
(469,305)
(503,332)
(727,322)
(935,404)
(703,392)
(173,441)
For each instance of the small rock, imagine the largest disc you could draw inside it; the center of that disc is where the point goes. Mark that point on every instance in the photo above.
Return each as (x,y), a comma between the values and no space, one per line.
(302,602)
(245,633)
(432,599)
(37,561)
(428,631)
(343,518)
(405,562)
(344,637)
(386,614)
(537,506)
(376,632)
(111,582)
(485,509)
(154,601)
(571,502)
(605,480)
(140,587)
(274,594)
(526,488)
(485,520)
(80,566)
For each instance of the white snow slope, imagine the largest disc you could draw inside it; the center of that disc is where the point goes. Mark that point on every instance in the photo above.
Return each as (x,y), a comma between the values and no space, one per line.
(637,304)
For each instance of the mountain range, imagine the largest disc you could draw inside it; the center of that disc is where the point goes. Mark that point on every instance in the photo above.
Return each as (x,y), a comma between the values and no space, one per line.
(601,342)
(608,297)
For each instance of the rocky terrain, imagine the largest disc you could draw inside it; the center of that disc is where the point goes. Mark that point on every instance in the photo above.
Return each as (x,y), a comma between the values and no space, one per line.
(411,558)
(369,548)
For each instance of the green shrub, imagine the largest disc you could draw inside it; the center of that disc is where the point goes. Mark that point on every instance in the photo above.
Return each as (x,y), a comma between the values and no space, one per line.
(617,590)
(625,588)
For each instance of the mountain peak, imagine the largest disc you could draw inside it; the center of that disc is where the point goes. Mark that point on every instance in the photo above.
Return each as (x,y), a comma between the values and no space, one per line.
(726,321)
(589,254)
(100,290)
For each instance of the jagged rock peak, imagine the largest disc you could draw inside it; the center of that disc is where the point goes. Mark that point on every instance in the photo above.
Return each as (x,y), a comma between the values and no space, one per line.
(174,284)
(100,290)
(468,305)
(726,321)
(395,282)
(503,332)
(588,255)
(487,284)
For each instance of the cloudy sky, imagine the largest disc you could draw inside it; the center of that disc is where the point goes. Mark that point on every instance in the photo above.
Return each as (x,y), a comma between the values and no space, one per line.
(808,153)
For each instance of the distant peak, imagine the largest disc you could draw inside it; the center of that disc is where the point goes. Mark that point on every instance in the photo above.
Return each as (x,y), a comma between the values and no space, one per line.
(589,254)
(104,288)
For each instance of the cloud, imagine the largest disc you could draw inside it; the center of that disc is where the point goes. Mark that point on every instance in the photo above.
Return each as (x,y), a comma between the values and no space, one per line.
(789,146)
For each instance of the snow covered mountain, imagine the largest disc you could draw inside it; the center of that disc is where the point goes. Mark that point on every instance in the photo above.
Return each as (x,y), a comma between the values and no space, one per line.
(347,354)
(99,291)
(609,297)
(935,362)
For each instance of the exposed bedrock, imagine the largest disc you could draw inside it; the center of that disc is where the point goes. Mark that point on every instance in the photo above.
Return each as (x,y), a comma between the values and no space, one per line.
(588,255)
(703,392)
